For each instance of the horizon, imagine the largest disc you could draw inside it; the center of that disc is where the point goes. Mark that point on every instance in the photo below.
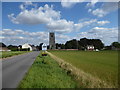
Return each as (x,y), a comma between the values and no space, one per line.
(55,43)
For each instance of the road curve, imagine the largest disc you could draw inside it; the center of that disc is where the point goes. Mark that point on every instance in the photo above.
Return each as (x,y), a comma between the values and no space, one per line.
(14,69)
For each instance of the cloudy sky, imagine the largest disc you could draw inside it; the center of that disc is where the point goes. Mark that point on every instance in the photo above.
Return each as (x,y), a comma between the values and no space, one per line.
(30,22)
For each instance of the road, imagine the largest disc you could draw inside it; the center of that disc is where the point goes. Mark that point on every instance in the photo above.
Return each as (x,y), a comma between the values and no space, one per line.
(14,69)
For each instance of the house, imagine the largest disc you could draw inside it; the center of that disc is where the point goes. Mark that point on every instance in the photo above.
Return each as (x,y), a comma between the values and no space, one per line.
(3,47)
(44,47)
(90,47)
(27,46)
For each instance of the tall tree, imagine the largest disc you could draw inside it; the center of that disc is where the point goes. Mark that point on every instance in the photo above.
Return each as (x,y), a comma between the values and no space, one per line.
(40,46)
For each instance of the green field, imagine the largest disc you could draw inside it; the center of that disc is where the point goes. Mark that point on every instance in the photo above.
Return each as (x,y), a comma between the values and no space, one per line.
(11,53)
(46,73)
(102,64)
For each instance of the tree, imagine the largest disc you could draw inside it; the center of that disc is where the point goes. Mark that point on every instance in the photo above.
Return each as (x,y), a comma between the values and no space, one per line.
(72,44)
(97,43)
(40,46)
(13,48)
(116,44)
(37,47)
(60,46)
(108,47)
(83,42)
(57,45)
(20,47)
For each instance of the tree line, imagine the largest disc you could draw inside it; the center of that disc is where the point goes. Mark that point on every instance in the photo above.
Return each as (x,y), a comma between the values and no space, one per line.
(74,44)
(81,44)
(84,42)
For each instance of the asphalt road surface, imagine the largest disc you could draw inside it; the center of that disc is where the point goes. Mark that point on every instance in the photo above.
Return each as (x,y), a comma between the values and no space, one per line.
(14,68)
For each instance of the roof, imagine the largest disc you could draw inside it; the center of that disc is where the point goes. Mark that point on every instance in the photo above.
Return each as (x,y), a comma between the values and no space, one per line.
(44,44)
(2,44)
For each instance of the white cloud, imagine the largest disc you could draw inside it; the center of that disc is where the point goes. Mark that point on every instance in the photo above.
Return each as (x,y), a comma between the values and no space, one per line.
(8,32)
(105,9)
(19,31)
(92,3)
(28,3)
(103,22)
(68,3)
(84,24)
(10,36)
(61,26)
(89,10)
(60,38)
(22,7)
(50,18)
(64,26)
(107,35)
(99,12)
(71,3)
(90,22)
(42,15)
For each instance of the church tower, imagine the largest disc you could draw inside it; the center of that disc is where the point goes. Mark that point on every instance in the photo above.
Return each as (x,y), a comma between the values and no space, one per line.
(52,40)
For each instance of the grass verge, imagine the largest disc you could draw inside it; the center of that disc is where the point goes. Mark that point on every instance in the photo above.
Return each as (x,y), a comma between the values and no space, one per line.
(6,54)
(46,73)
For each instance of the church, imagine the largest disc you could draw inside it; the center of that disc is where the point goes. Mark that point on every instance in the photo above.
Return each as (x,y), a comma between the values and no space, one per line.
(52,40)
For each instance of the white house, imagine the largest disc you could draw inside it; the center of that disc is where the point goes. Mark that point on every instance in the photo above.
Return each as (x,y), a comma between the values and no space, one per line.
(26,46)
(44,47)
(90,47)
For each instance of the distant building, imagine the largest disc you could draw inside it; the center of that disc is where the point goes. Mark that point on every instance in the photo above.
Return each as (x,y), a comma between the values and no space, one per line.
(3,47)
(27,46)
(34,48)
(44,47)
(90,47)
(52,40)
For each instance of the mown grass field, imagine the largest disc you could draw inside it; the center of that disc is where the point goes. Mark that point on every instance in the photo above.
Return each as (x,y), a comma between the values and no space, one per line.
(102,64)
(46,73)
(11,53)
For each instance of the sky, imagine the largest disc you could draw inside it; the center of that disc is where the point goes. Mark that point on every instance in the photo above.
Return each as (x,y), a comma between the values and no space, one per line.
(31,22)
